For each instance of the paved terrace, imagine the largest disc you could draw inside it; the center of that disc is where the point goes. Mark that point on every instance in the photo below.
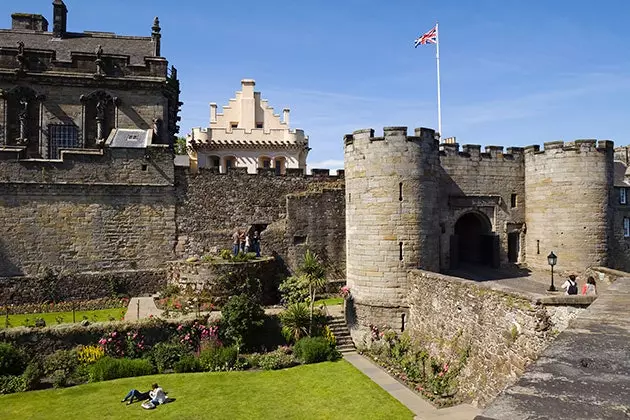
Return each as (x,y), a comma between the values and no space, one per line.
(532,285)
(583,374)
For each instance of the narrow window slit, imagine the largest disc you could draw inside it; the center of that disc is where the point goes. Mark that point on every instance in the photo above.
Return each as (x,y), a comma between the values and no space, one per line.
(400,251)
(400,192)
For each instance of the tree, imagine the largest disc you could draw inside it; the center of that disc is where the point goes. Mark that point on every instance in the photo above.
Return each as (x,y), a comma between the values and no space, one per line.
(313,275)
(180,146)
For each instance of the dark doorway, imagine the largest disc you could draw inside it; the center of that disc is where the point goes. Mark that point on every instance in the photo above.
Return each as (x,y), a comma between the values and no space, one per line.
(513,246)
(474,242)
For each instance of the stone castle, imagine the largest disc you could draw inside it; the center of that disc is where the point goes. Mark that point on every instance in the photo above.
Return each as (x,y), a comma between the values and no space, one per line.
(87,183)
(414,203)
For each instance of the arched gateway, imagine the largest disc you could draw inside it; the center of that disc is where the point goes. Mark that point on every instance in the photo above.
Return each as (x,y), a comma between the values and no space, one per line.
(473,241)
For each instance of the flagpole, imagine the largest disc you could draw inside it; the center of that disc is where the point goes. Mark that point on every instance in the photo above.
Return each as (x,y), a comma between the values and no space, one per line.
(437,59)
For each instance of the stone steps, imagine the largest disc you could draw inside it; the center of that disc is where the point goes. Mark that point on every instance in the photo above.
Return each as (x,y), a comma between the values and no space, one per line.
(339,328)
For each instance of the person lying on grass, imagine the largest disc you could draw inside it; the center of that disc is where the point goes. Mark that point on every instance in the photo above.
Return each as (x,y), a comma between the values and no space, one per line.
(156,395)
(134,393)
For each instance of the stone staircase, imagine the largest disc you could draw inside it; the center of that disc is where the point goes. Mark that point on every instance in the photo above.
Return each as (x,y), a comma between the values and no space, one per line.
(338,326)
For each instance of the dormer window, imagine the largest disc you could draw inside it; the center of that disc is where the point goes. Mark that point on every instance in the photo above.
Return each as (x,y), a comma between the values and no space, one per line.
(623,196)
(259,125)
(234,125)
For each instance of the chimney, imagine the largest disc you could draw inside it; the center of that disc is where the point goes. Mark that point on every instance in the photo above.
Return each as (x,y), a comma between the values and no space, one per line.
(213,112)
(156,37)
(247,104)
(60,18)
(29,21)
(285,116)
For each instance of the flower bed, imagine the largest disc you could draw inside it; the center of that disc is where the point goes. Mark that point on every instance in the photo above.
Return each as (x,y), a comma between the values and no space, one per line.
(68,306)
(411,364)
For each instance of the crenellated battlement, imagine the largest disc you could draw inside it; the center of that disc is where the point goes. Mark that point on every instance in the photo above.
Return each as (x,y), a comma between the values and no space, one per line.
(316,174)
(391,134)
(580,146)
(473,151)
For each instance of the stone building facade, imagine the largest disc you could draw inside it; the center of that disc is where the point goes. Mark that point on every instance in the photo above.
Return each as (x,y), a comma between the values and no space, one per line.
(248,134)
(62,90)
(87,123)
(414,203)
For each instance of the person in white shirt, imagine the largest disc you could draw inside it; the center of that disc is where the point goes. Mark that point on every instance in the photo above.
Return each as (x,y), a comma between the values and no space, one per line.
(157,395)
(570,286)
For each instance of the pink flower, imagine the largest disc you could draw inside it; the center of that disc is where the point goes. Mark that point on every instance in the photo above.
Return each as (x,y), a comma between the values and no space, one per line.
(445,368)
(109,340)
(181,327)
(441,374)
(114,334)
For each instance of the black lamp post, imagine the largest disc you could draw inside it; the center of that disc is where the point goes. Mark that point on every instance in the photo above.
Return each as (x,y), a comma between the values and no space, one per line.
(552,259)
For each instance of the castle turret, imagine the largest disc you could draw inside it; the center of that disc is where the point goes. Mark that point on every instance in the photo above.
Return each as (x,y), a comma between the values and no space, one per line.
(391,224)
(568,189)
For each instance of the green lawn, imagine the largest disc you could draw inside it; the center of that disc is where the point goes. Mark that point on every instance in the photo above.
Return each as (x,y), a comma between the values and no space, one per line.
(101,315)
(329,301)
(331,390)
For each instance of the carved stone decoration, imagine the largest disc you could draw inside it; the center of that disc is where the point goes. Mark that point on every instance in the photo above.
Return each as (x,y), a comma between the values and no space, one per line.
(157,128)
(21,58)
(100,72)
(101,106)
(23,118)
(97,106)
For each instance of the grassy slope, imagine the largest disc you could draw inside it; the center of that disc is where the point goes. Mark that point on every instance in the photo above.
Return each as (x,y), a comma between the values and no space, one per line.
(331,390)
(50,318)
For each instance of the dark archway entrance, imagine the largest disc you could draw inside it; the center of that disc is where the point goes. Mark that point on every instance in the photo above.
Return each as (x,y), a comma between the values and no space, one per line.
(474,242)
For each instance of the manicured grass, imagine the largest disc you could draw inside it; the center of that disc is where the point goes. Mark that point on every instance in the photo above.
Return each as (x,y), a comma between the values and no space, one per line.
(101,315)
(331,390)
(329,301)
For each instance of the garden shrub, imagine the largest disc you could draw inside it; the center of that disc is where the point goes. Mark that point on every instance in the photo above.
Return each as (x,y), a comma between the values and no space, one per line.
(215,359)
(187,363)
(109,368)
(165,355)
(11,360)
(295,321)
(253,359)
(242,319)
(12,384)
(293,290)
(33,375)
(314,350)
(278,359)
(61,367)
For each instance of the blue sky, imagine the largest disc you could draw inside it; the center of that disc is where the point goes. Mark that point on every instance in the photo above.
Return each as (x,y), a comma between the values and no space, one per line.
(513,72)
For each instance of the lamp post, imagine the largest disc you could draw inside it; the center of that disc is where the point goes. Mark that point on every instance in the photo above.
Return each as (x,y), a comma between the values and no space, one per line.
(552,260)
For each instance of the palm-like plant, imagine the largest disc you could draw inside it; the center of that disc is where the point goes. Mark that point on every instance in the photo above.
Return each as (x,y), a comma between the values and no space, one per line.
(313,275)
(295,321)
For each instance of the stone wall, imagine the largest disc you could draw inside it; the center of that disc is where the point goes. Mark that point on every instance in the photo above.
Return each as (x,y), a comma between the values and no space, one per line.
(79,286)
(391,225)
(568,189)
(114,211)
(316,221)
(619,249)
(502,332)
(211,206)
(224,279)
(482,182)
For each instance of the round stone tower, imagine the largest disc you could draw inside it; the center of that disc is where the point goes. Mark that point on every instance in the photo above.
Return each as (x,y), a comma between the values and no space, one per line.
(391,221)
(568,191)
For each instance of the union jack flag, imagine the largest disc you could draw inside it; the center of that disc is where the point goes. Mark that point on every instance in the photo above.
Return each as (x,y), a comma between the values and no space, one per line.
(427,38)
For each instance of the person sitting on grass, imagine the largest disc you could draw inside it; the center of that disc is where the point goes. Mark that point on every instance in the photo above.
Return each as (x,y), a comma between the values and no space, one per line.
(157,395)
(134,393)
